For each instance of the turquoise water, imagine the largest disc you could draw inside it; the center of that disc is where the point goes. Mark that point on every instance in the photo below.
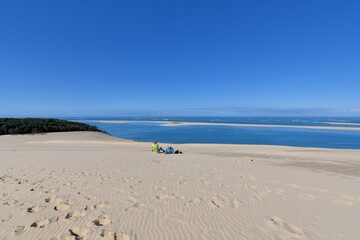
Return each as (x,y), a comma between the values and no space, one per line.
(154,131)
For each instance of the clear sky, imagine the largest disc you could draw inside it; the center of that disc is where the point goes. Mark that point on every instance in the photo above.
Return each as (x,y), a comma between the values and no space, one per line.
(108,58)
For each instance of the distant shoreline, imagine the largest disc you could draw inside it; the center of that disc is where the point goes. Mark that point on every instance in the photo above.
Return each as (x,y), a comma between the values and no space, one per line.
(180,123)
(170,124)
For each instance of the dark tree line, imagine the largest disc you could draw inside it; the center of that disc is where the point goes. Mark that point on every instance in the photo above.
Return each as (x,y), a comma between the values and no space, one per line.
(41,125)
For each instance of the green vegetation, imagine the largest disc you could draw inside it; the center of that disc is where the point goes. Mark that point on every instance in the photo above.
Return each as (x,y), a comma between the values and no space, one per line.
(41,125)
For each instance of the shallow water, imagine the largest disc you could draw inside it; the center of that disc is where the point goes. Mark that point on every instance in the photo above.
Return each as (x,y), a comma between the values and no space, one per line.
(154,131)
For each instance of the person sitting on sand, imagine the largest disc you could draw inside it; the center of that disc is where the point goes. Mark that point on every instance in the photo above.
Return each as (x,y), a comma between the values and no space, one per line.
(169,150)
(156,148)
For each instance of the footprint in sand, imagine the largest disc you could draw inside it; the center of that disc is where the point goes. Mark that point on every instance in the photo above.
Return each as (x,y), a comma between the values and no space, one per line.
(182,182)
(19,181)
(322,190)
(75,214)
(172,196)
(235,203)
(308,197)
(19,230)
(127,179)
(238,162)
(246,186)
(32,209)
(34,189)
(79,232)
(53,199)
(102,205)
(271,181)
(224,185)
(164,197)
(135,205)
(54,219)
(90,197)
(119,190)
(196,200)
(107,234)
(292,230)
(102,220)
(41,223)
(160,188)
(132,199)
(5,178)
(294,186)
(50,191)
(178,196)
(62,207)
(267,190)
(202,181)
(6,218)
(89,207)
(346,200)
(251,177)
(123,236)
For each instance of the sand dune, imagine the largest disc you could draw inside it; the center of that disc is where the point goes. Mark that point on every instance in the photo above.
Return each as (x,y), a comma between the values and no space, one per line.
(88,185)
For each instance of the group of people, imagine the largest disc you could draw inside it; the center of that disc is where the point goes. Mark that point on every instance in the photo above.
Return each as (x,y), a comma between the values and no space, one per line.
(168,150)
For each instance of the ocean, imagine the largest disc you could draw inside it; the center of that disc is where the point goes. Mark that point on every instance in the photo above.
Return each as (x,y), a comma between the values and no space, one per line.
(153,129)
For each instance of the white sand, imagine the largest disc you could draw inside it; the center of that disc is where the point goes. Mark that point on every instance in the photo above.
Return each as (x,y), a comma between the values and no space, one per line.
(93,186)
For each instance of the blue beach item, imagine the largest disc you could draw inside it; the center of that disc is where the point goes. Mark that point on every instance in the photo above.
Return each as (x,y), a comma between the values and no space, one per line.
(169,150)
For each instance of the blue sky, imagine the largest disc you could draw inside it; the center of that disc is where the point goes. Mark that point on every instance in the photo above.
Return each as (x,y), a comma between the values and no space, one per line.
(108,58)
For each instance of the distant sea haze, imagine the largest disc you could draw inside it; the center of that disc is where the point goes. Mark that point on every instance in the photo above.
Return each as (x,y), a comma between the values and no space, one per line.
(320,132)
